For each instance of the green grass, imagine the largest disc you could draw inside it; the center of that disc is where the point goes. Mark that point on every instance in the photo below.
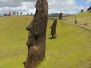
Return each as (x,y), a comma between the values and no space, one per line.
(71,48)
(82,18)
(13,37)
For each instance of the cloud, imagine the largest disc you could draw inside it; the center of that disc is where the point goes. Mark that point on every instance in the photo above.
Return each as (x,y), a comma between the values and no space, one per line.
(13,3)
(87,0)
(16,5)
(66,6)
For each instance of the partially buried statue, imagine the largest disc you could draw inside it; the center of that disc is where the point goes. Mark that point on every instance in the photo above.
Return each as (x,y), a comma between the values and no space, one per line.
(37,35)
(53,29)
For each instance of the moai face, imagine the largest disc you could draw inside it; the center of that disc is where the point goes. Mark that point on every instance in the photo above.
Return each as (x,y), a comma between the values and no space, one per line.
(37,35)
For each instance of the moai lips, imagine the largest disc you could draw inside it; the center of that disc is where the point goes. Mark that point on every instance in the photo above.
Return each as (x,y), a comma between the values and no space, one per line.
(37,35)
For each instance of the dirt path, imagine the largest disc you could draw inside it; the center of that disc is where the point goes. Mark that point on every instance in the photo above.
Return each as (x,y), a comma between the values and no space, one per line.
(86,26)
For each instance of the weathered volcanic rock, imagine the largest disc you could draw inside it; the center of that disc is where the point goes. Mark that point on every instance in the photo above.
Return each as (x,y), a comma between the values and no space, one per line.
(37,35)
(53,29)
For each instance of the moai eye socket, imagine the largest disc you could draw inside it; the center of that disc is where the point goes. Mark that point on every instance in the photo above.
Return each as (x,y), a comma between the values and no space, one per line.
(36,37)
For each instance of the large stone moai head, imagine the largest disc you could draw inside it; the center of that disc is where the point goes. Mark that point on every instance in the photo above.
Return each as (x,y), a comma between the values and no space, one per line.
(60,16)
(53,29)
(37,35)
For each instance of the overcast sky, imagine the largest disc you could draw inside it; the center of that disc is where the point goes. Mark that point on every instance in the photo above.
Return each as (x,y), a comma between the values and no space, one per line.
(55,6)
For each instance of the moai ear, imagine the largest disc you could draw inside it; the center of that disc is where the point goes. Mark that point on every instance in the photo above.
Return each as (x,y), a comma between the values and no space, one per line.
(36,37)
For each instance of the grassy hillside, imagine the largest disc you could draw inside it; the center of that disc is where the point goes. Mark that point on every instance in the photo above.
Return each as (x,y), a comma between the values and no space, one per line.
(12,41)
(81,18)
(71,49)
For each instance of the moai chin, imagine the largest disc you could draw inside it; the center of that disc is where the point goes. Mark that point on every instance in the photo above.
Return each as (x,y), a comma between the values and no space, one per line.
(53,29)
(37,35)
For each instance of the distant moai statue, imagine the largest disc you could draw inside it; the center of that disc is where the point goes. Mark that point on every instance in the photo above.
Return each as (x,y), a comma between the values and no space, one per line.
(53,29)
(31,14)
(20,13)
(60,16)
(81,10)
(75,21)
(37,35)
(17,13)
(86,24)
(14,13)
(9,14)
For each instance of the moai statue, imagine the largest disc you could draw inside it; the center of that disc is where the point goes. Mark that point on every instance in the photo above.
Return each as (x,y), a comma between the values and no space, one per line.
(86,24)
(60,16)
(9,14)
(37,35)
(81,10)
(75,21)
(53,29)
(13,13)
(21,13)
